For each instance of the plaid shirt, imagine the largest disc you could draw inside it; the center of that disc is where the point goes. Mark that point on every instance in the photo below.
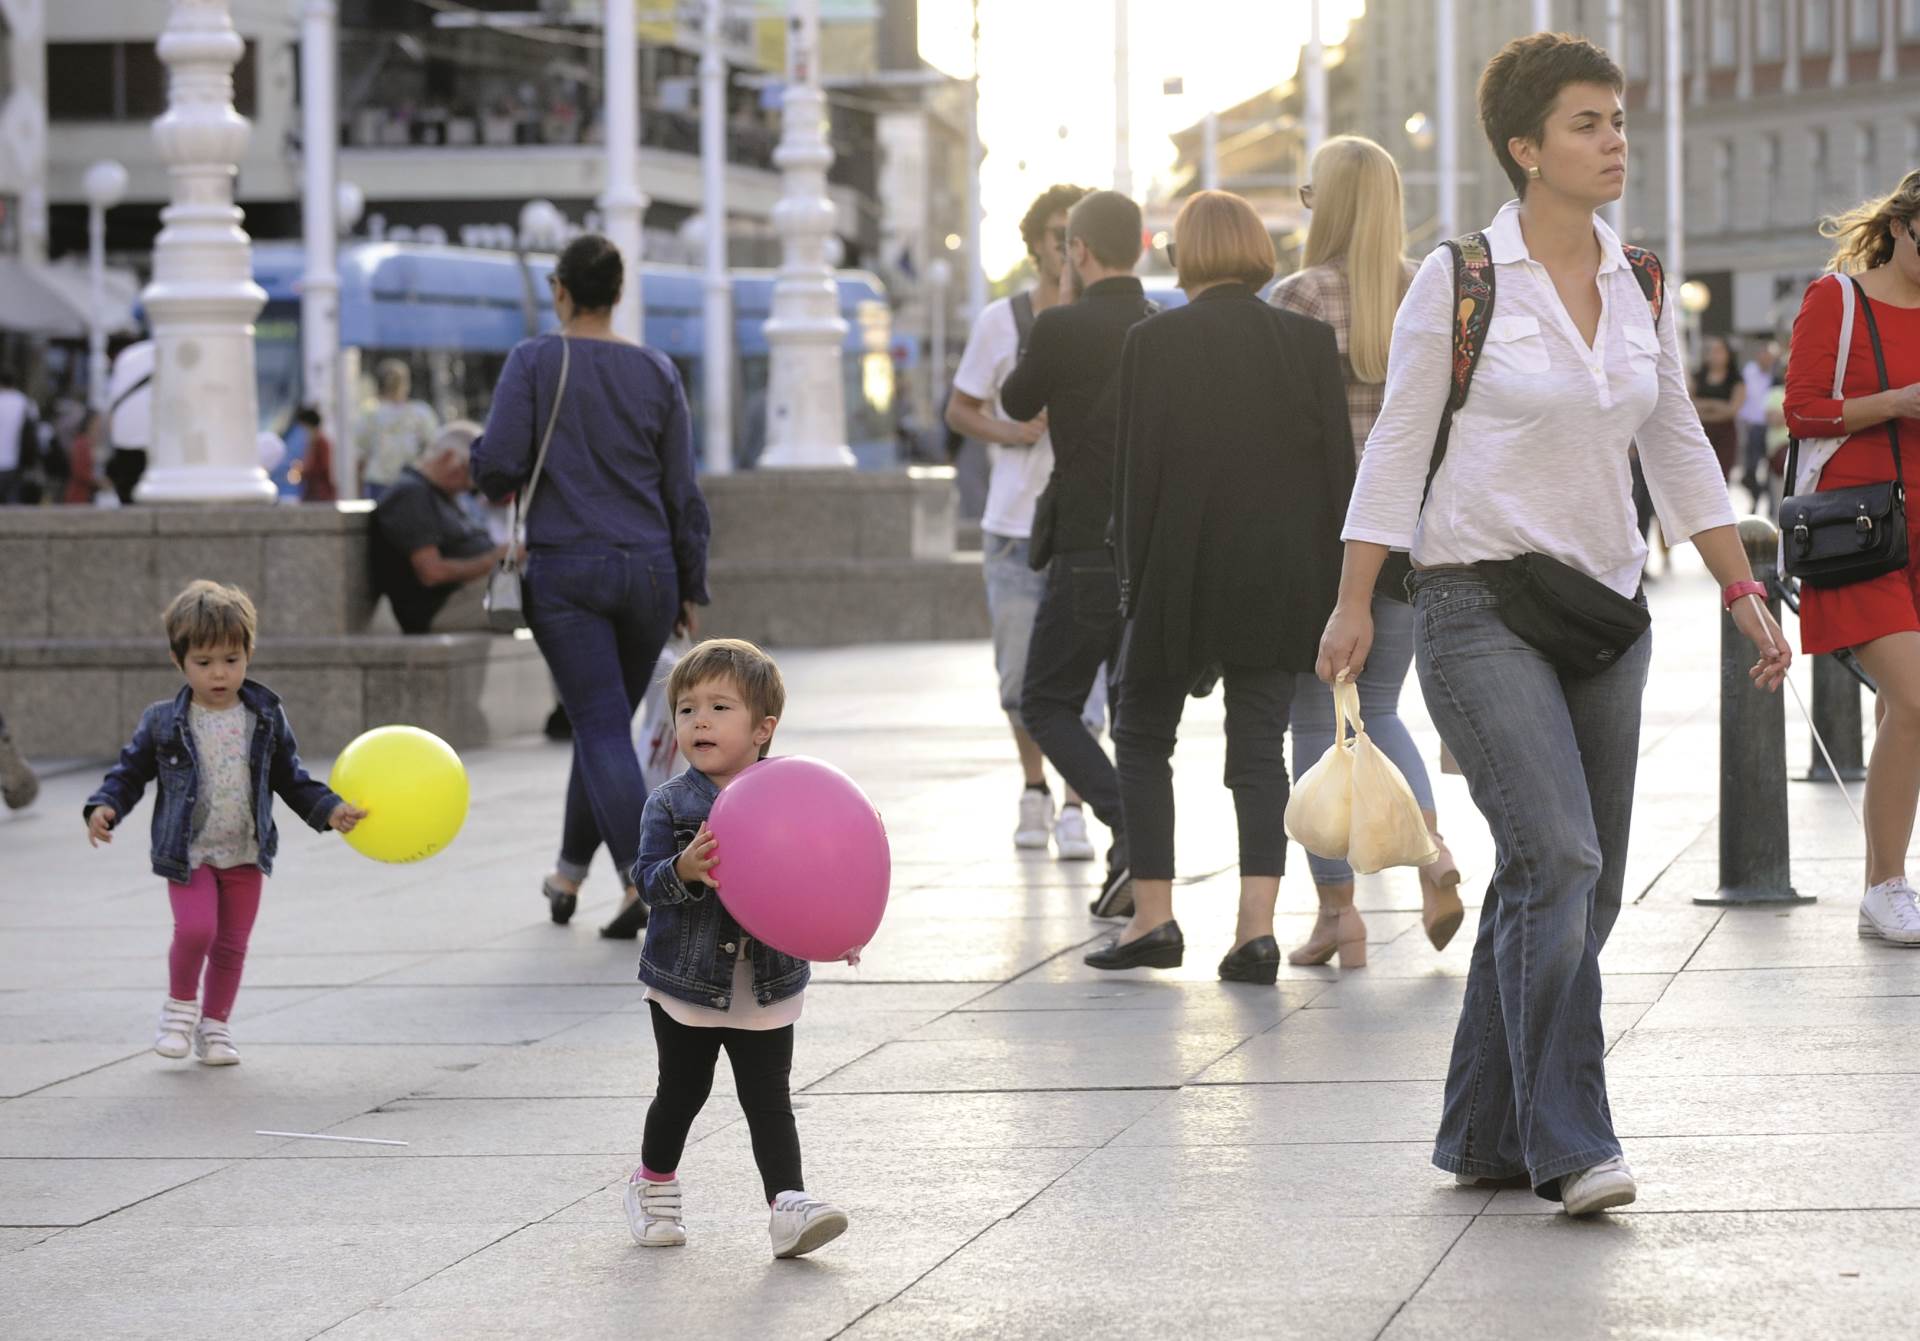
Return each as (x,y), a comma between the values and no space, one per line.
(1321,292)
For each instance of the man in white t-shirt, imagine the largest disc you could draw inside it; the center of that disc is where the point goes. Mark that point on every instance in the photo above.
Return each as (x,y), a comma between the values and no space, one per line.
(17,420)
(1020,458)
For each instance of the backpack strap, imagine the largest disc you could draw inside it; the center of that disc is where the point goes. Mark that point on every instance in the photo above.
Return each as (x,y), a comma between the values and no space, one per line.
(1472,311)
(1651,276)
(1023,318)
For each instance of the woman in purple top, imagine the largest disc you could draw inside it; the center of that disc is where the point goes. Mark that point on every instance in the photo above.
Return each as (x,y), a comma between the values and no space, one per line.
(617,545)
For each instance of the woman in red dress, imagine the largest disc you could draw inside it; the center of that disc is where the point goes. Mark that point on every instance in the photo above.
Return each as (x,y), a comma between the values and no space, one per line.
(1880,618)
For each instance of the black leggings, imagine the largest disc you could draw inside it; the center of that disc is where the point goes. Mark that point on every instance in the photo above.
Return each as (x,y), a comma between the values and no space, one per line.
(762,1066)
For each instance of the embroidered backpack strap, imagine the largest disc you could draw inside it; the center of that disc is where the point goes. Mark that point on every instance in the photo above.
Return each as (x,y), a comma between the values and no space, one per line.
(1472,310)
(1651,277)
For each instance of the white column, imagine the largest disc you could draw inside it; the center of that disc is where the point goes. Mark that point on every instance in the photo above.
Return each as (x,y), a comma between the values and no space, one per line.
(622,206)
(976,259)
(717,403)
(1702,21)
(1837,44)
(320,283)
(1674,261)
(1122,103)
(1744,19)
(106,186)
(1617,48)
(1313,81)
(939,278)
(1210,151)
(202,301)
(1542,15)
(806,400)
(1889,40)
(1790,74)
(1447,104)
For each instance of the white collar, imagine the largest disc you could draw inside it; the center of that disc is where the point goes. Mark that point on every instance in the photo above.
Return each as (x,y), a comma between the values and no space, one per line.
(1506,244)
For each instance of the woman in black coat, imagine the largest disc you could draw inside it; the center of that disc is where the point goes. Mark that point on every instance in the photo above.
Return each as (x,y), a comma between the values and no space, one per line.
(1235,463)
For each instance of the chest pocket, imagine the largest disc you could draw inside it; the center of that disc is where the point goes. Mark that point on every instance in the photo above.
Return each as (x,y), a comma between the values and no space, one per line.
(1643,348)
(1515,344)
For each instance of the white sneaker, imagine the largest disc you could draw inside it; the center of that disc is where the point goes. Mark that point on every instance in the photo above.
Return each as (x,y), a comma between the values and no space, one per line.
(1889,913)
(1600,1188)
(177,1019)
(213,1043)
(1070,841)
(802,1222)
(653,1213)
(1036,820)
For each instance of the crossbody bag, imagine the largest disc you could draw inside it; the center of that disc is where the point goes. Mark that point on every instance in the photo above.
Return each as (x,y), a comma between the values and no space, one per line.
(506,586)
(1841,536)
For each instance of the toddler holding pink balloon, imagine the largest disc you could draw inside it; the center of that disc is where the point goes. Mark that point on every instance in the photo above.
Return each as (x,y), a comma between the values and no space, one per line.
(710,985)
(221,750)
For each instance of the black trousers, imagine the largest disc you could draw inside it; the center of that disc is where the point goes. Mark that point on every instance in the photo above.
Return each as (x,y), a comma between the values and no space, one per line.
(762,1067)
(1258,701)
(1076,630)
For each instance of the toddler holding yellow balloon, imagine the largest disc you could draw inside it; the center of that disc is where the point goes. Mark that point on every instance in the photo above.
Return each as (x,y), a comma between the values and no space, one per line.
(221,750)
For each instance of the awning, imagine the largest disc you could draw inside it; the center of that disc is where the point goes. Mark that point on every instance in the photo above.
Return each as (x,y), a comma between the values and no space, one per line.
(53,300)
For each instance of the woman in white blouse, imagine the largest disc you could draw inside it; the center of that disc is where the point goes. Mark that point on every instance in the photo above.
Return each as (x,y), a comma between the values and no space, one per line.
(1574,372)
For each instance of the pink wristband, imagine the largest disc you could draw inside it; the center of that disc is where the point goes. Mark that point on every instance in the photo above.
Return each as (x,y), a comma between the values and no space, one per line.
(1733,591)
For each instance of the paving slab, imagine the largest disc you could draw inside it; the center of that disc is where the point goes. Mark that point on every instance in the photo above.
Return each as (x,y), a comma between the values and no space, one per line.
(26,1067)
(941,1065)
(77,1191)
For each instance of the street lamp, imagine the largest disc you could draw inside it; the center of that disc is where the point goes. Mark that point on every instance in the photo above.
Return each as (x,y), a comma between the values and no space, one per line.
(106,186)
(1695,299)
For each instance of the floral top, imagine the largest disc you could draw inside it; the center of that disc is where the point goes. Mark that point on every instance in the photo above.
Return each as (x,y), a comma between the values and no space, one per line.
(224,832)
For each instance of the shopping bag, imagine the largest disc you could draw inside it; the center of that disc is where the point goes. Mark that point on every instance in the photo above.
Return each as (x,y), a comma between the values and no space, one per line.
(1320,810)
(1387,827)
(653,736)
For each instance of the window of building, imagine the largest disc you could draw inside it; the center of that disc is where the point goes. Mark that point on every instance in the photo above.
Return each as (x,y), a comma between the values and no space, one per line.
(1723,184)
(1724,27)
(1769,29)
(1769,174)
(1866,149)
(1864,23)
(1819,171)
(1816,27)
(6,59)
(1910,18)
(1637,53)
(122,81)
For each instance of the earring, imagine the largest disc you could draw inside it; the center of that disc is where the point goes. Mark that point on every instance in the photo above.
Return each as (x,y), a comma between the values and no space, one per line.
(1534,172)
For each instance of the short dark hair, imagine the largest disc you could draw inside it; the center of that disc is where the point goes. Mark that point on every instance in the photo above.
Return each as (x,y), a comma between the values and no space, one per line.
(1523,80)
(307,415)
(592,271)
(1054,200)
(1109,223)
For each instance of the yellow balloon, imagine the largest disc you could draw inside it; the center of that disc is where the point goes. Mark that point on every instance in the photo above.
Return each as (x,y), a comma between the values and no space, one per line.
(412,786)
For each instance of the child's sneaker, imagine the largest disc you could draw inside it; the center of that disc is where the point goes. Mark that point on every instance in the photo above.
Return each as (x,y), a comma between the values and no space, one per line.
(802,1222)
(1070,841)
(1036,820)
(213,1043)
(653,1213)
(177,1019)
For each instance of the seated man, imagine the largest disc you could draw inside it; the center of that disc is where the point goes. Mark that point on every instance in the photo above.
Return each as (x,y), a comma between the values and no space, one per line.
(426,550)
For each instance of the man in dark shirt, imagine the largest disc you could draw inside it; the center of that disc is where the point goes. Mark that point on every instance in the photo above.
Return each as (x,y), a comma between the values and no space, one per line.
(1072,370)
(425,549)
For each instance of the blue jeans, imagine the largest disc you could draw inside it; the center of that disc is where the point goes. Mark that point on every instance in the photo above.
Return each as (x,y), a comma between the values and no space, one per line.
(1379,685)
(1550,762)
(1013,602)
(601,616)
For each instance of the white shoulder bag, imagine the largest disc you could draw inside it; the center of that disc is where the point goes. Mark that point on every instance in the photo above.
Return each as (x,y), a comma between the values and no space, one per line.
(506,599)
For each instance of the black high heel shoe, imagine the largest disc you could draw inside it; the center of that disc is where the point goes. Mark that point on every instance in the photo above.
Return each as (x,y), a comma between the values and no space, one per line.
(1258,961)
(560,903)
(1162,948)
(627,923)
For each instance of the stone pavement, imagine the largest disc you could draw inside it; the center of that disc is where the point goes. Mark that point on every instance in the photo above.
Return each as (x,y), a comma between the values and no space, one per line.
(1027,1148)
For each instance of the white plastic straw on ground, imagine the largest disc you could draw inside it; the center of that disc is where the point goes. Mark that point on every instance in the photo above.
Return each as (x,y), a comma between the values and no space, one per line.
(316,1136)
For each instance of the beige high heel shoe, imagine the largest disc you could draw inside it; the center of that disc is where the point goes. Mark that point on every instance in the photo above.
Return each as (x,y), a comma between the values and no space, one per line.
(1441,911)
(1340,931)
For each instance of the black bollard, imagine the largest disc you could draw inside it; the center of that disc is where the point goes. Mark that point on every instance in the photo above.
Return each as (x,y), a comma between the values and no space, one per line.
(1836,716)
(1754,857)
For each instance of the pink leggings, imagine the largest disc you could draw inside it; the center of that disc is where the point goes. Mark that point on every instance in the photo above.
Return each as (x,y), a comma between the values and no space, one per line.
(213,916)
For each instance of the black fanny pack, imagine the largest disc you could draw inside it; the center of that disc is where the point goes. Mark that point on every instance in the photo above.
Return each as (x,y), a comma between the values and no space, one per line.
(1581,625)
(1841,536)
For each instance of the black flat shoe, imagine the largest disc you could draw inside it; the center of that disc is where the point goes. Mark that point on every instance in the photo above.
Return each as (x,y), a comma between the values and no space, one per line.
(1258,961)
(1162,948)
(560,904)
(627,923)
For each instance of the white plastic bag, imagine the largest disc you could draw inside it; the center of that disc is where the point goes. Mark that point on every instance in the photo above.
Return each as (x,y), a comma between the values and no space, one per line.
(653,736)
(1320,810)
(1355,803)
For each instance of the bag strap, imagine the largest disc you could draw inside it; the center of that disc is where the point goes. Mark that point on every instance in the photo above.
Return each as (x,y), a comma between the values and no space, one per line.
(1651,276)
(1880,367)
(1843,353)
(523,501)
(1023,319)
(1472,311)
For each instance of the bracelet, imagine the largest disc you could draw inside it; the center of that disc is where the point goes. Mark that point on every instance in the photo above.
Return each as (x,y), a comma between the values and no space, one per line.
(1733,591)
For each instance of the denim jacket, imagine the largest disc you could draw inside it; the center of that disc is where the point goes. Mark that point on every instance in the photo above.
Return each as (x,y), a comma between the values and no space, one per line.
(162,747)
(692,940)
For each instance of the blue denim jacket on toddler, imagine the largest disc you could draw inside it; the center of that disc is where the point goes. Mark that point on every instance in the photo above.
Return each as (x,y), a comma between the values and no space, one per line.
(162,747)
(692,940)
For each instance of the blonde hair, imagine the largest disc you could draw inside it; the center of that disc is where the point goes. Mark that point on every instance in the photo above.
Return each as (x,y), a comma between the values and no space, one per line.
(1358,218)
(208,614)
(751,670)
(1219,239)
(1863,236)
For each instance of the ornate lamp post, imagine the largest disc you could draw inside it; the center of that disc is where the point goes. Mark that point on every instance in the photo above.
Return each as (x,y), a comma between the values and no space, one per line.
(202,300)
(806,399)
(106,186)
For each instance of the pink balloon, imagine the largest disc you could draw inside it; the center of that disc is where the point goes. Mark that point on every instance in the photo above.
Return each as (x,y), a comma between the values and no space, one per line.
(804,865)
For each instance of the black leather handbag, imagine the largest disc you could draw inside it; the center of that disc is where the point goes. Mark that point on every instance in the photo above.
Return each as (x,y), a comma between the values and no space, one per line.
(1580,624)
(1840,536)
